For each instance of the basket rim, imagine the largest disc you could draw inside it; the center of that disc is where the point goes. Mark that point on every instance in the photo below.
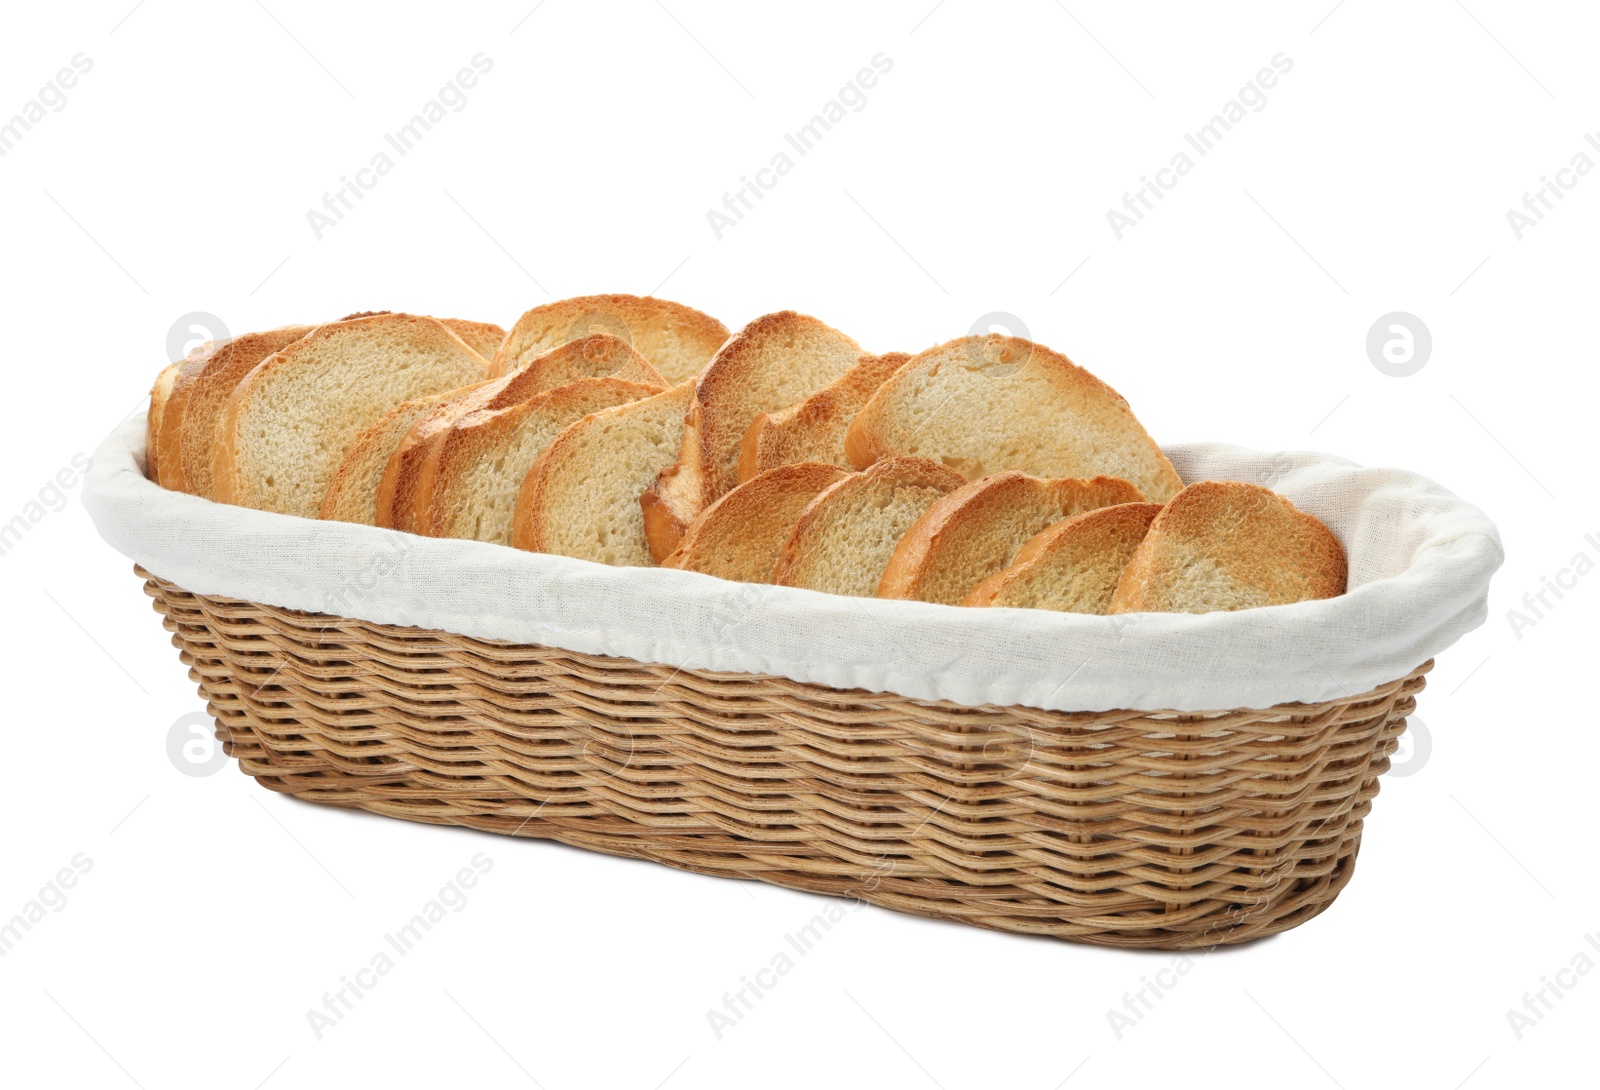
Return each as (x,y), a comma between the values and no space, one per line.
(1308,652)
(338,630)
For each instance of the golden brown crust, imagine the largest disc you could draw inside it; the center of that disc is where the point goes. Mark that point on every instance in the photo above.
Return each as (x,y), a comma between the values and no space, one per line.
(449,458)
(598,355)
(228,480)
(828,506)
(859,448)
(397,489)
(647,323)
(1097,542)
(741,535)
(719,415)
(672,501)
(224,467)
(160,390)
(484,338)
(371,452)
(196,402)
(814,429)
(406,493)
(1231,545)
(1002,357)
(732,366)
(979,527)
(436,458)
(529,522)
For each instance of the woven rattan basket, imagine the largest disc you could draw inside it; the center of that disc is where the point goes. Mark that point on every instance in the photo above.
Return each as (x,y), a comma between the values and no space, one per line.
(1125,828)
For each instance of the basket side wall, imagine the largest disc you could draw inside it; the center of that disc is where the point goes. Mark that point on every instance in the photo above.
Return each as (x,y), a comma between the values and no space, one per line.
(1120,828)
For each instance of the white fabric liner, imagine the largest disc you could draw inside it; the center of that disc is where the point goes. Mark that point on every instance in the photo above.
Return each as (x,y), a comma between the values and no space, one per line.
(1420,563)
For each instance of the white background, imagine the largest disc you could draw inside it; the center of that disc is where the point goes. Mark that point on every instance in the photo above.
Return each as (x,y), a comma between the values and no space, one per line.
(976,179)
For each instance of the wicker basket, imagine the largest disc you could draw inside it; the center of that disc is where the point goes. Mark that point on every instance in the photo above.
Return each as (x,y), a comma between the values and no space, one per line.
(1123,828)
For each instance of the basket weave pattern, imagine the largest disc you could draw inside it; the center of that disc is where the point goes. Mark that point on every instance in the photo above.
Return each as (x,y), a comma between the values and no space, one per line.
(1122,828)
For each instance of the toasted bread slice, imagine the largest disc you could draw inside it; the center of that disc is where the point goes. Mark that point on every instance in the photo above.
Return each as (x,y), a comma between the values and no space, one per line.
(846,535)
(403,488)
(159,392)
(394,500)
(1072,566)
(773,362)
(469,486)
(740,536)
(976,530)
(598,355)
(677,340)
(200,392)
(582,496)
(352,495)
(986,403)
(1225,545)
(292,420)
(813,430)
(484,338)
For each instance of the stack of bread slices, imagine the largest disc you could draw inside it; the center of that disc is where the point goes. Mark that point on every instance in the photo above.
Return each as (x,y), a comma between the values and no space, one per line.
(627,430)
